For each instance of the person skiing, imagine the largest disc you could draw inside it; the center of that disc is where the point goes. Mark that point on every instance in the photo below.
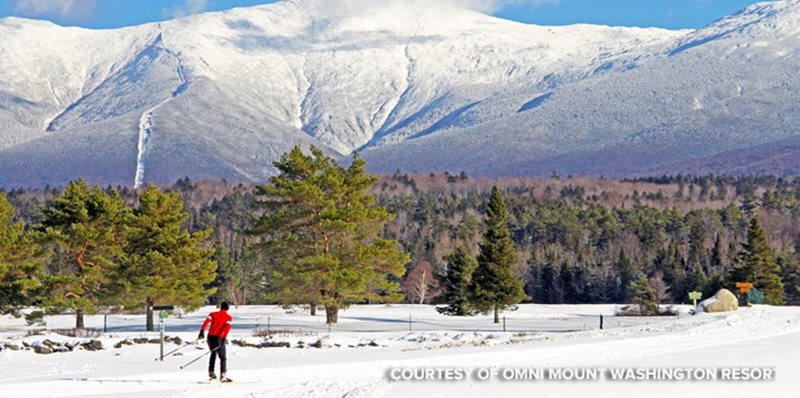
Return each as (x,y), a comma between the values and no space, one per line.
(220,325)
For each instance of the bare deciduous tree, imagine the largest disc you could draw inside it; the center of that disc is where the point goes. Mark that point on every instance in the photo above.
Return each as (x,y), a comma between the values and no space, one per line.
(661,288)
(420,284)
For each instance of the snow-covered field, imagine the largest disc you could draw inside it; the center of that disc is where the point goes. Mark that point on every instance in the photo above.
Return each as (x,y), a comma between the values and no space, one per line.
(357,356)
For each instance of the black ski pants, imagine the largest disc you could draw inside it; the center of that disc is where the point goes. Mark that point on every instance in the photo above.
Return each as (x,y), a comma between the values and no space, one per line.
(217,347)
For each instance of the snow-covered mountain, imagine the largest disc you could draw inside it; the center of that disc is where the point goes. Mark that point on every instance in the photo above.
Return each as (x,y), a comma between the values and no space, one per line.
(729,88)
(413,84)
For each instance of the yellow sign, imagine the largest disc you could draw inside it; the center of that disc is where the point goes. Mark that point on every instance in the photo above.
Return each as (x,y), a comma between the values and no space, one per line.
(694,296)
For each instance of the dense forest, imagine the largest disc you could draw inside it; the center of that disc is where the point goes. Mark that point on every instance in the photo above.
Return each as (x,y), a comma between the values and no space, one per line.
(578,240)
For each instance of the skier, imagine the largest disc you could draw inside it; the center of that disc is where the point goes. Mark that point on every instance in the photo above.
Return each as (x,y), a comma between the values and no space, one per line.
(220,323)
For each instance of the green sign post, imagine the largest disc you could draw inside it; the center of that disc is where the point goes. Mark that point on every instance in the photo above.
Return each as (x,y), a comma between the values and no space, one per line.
(162,315)
(694,296)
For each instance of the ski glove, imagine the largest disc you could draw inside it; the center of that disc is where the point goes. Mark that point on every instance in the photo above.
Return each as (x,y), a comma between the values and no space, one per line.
(202,335)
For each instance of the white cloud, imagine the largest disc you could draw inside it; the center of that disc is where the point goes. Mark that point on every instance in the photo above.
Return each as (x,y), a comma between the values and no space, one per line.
(350,7)
(355,7)
(189,7)
(69,9)
(333,8)
(494,5)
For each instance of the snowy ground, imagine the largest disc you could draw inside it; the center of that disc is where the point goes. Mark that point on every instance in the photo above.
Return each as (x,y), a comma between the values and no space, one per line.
(357,356)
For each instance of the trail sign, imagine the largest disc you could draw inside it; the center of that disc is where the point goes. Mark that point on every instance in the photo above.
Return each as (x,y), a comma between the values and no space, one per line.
(694,296)
(162,315)
(744,287)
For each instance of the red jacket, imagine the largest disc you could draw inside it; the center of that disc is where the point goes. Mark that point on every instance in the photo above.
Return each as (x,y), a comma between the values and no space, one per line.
(220,324)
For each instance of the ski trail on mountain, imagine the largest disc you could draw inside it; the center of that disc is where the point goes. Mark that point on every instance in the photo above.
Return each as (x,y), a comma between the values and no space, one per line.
(146,126)
(395,103)
(51,122)
(145,132)
(57,101)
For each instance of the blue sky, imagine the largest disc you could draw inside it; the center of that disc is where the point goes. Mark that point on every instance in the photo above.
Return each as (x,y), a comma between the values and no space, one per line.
(661,13)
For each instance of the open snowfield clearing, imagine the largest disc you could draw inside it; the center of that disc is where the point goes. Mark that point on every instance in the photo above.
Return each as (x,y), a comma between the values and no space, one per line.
(357,356)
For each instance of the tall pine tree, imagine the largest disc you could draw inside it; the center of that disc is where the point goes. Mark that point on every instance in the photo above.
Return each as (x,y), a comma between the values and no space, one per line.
(455,282)
(495,286)
(790,275)
(321,232)
(697,278)
(86,228)
(643,295)
(626,273)
(717,261)
(756,265)
(165,263)
(21,262)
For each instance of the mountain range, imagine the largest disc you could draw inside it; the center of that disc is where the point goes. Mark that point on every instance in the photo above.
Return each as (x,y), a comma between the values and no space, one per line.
(410,84)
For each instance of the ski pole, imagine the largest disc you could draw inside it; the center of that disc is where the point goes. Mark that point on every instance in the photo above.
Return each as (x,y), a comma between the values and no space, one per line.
(179,348)
(201,356)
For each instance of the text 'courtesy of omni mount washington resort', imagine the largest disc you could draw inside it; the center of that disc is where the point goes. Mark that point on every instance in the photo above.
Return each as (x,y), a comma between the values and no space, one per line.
(532,374)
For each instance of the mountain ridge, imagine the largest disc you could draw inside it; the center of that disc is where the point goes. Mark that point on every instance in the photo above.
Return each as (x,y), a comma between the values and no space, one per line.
(223,94)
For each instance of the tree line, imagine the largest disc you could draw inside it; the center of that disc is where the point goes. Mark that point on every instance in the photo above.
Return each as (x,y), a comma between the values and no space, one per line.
(583,240)
(91,249)
(315,236)
(323,235)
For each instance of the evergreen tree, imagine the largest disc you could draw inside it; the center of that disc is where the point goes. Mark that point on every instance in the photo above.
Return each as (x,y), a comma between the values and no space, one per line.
(292,225)
(717,261)
(696,278)
(568,277)
(549,286)
(790,275)
(165,263)
(643,295)
(86,227)
(626,272)
(21,262)
(749,205)
(455,282)
(671,261)
(756,265)
(321,231)
(713,285)
(240,280)
(494,285)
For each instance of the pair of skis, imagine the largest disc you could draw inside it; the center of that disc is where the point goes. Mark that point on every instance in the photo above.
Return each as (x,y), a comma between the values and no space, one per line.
(223,380)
